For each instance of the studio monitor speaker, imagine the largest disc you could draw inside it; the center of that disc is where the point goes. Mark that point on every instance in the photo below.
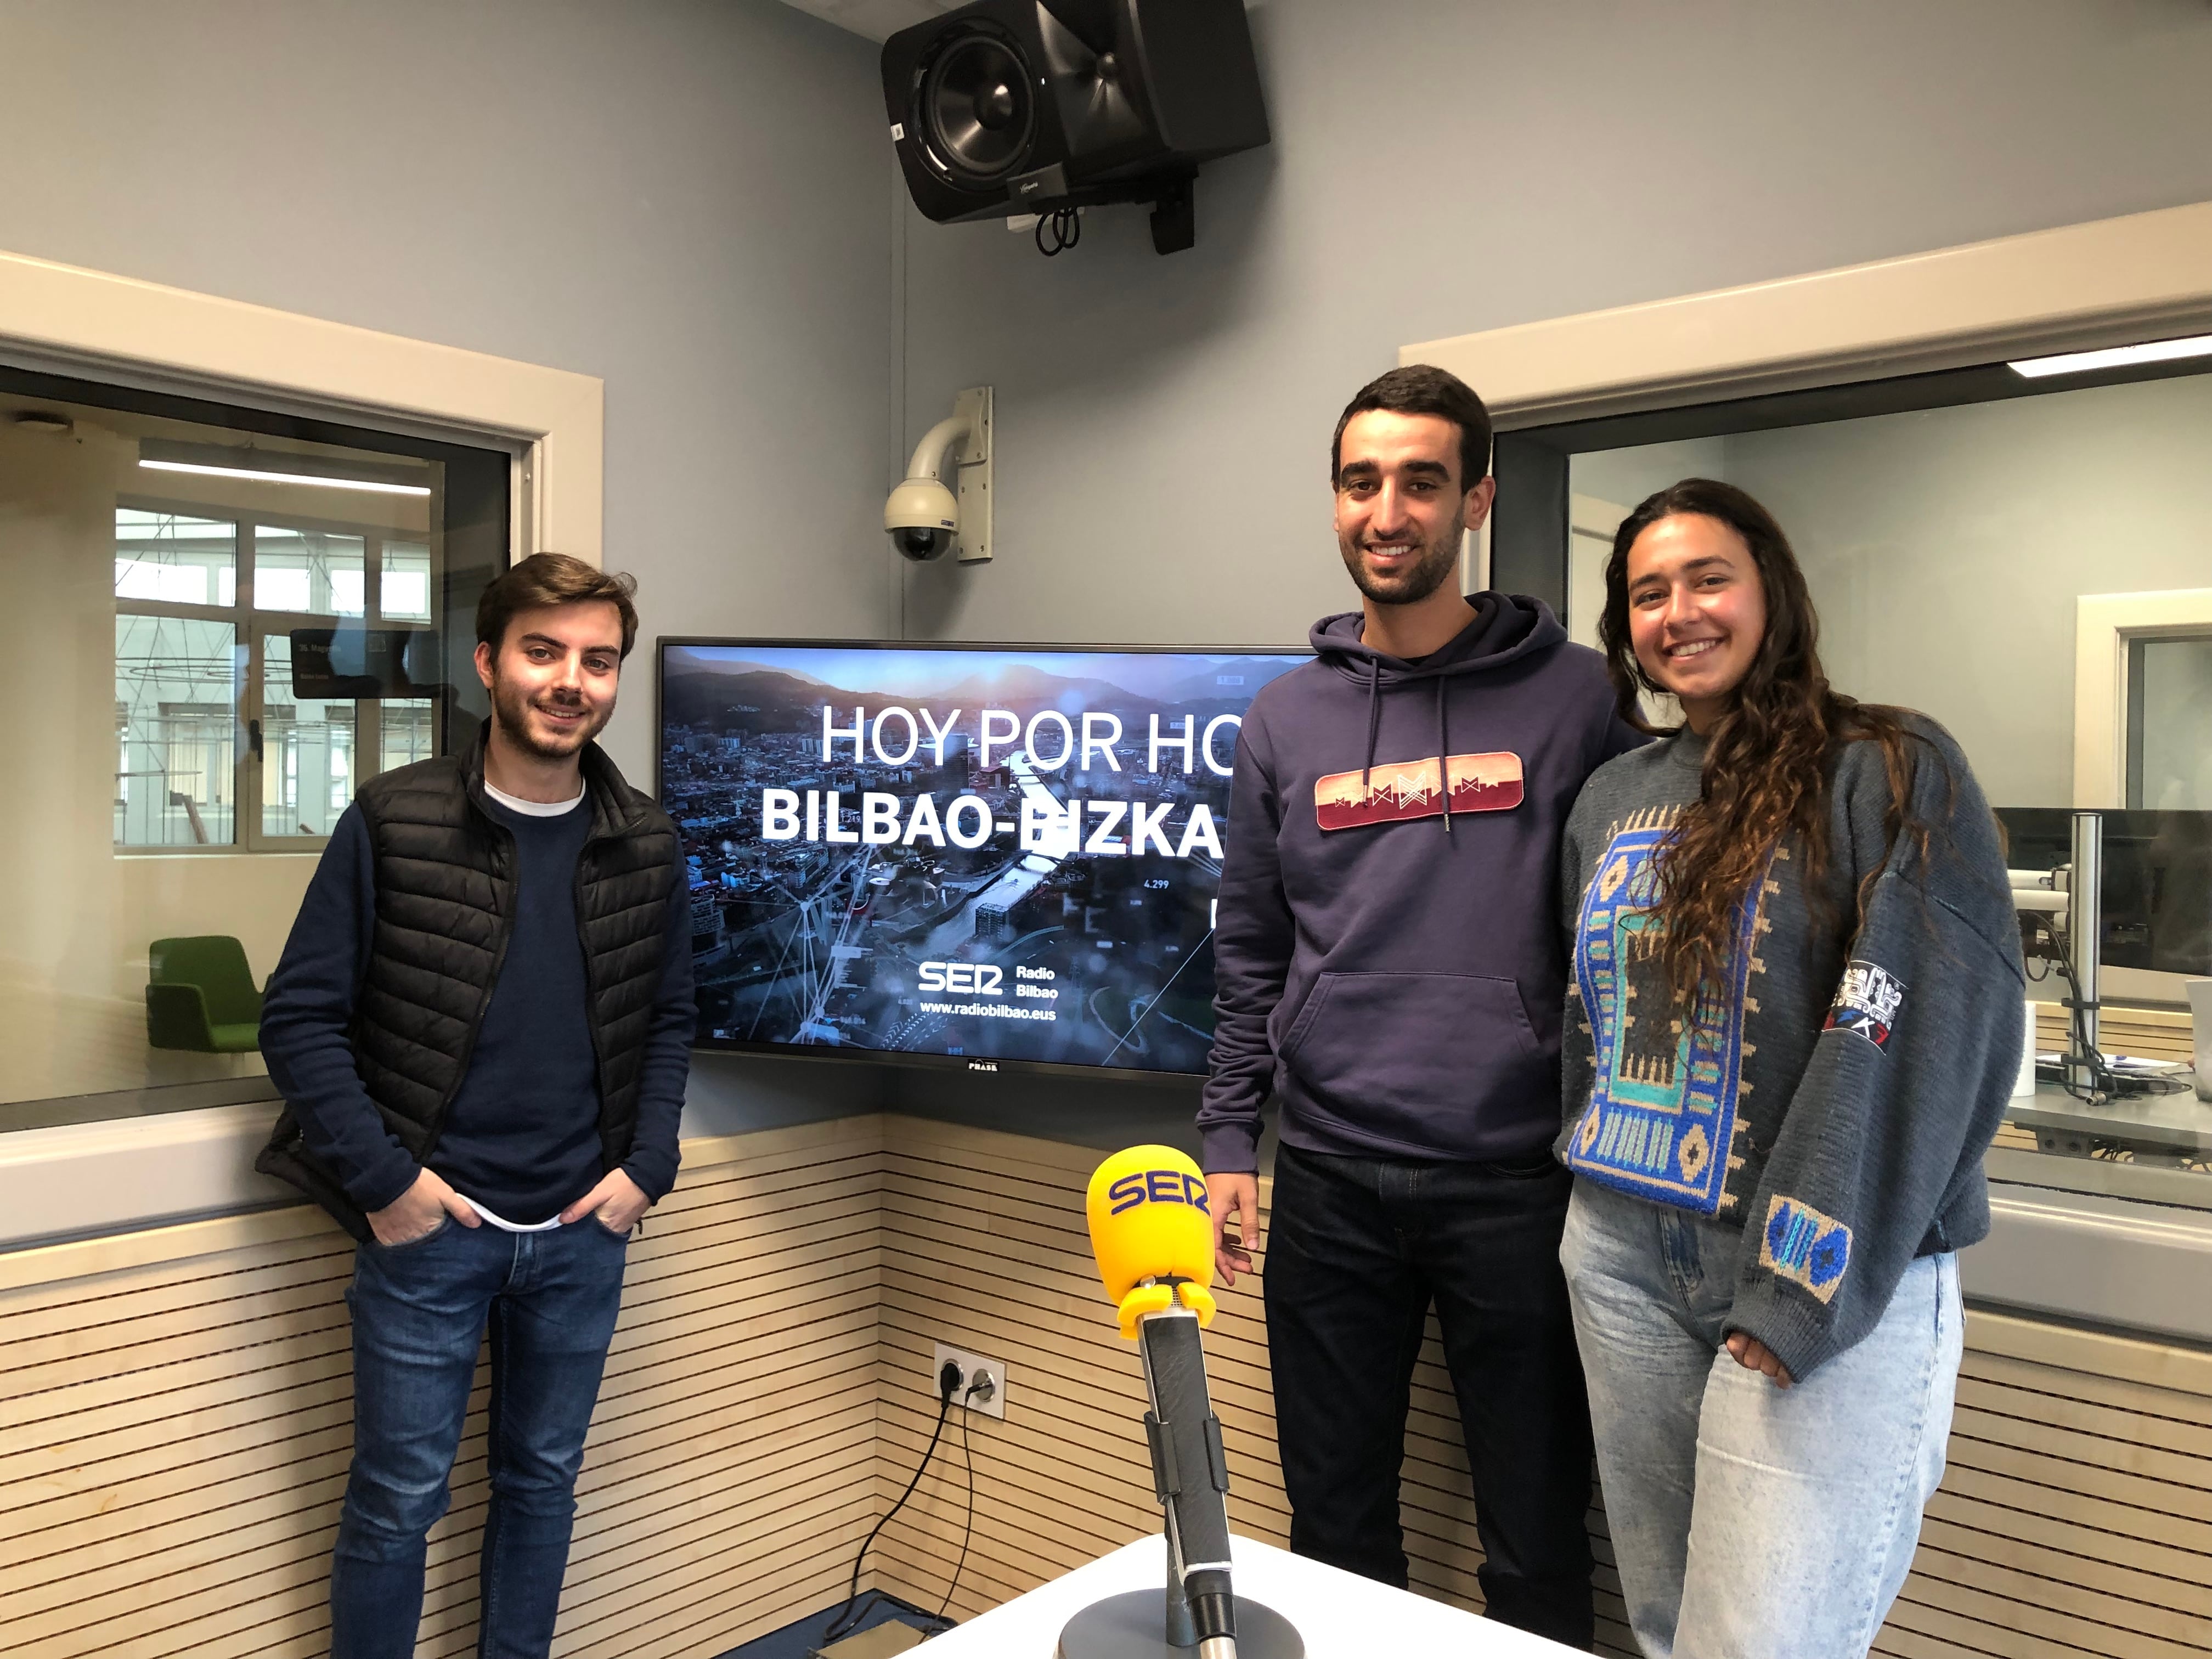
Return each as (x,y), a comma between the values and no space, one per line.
(1010,106)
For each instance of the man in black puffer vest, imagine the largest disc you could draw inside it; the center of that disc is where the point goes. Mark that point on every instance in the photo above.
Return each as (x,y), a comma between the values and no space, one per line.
(481,1026)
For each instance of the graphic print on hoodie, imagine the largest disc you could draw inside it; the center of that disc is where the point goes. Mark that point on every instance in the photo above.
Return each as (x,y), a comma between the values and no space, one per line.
(1387,954)
(1414,789)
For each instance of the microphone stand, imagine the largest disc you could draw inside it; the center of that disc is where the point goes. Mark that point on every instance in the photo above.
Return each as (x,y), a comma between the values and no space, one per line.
(1200,1617)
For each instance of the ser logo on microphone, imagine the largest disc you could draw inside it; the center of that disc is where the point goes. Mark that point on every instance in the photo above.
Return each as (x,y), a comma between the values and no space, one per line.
(1157,1187)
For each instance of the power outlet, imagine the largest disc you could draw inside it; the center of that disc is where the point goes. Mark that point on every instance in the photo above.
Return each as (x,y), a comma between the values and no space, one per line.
(990,1399)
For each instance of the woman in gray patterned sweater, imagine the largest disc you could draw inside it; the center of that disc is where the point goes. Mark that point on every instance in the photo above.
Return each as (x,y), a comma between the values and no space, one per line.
(1794,1022)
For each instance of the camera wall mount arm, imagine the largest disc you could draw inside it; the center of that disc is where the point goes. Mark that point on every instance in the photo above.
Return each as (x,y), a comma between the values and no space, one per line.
(923,500)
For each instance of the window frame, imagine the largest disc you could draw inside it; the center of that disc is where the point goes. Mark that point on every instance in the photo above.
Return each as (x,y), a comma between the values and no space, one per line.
(127,1170)
(251,625)
(2105,627)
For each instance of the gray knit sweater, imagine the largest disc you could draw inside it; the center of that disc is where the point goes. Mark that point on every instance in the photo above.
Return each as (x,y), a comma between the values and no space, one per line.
(1838,1096)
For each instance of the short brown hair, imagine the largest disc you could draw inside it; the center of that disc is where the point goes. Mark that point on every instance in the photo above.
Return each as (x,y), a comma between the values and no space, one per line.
(1419,389)
(545,579)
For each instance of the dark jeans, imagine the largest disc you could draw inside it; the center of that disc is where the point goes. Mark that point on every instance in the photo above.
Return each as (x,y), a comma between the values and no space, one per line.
(1357,1249)
(419,1312)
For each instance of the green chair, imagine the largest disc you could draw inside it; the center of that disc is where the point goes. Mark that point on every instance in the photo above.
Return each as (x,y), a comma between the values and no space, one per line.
(200,995)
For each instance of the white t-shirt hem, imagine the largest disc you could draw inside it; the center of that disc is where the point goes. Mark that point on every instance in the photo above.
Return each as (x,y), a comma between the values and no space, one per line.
(533,809)
(505,1226)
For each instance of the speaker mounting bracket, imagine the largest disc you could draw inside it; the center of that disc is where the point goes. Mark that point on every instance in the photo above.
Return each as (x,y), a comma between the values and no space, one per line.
(1175,215)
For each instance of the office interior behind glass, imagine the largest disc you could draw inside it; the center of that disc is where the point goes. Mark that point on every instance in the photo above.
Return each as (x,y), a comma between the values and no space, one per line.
(224,621)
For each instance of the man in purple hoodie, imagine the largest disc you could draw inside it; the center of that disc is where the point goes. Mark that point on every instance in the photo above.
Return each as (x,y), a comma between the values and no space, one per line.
(1389,962)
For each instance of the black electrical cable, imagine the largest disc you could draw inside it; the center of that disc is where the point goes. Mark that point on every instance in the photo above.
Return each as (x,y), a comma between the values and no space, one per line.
(2105,1083)
(2102,1084)
(1065,225)
(968,1527)
(851,1614)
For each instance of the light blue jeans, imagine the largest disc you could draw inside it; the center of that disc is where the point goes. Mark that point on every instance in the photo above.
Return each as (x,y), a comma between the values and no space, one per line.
(1751,1522)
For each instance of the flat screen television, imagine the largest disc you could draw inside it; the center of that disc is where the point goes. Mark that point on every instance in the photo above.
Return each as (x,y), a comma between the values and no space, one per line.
(978,856)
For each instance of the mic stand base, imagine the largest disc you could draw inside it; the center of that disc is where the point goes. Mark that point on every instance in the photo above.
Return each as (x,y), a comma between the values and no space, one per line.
(1134,1625)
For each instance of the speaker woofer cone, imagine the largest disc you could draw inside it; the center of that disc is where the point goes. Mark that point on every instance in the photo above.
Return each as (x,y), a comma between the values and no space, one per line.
(976,112)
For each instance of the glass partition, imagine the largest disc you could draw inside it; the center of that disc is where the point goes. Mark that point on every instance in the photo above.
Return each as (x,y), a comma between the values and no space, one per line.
(308,746)
(205,599)
(175,685)
(2169,763)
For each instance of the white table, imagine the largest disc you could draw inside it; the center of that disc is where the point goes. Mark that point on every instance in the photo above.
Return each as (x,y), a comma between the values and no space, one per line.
(1339,1614)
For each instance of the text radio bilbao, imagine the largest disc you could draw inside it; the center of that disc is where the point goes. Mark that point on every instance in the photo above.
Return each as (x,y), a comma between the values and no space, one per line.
(985,979)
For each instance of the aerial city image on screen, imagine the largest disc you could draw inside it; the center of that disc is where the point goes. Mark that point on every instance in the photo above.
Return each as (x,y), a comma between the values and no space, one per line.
(982,854)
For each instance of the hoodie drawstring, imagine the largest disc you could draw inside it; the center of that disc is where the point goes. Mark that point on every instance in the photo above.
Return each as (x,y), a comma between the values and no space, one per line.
(1443,752)
(1374,718)
(1375,724)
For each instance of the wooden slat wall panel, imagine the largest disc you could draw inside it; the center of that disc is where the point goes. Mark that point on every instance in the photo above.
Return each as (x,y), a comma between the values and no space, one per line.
(2148,1033)
(176,1413)
(174,1431)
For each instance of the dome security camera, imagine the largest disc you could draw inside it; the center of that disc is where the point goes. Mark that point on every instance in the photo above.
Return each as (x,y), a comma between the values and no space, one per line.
(924,517)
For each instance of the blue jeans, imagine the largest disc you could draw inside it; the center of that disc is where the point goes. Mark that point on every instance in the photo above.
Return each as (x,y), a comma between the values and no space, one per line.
(419,1313)
(1358,1248)
(1751,1522)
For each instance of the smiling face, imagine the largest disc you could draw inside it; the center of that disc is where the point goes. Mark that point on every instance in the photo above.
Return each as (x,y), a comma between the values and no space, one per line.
(1399,508)
(553,680)
(1696,611)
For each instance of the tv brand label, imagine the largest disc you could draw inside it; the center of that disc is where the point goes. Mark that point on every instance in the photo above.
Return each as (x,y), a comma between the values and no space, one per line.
(982,1065)
(1157,1187)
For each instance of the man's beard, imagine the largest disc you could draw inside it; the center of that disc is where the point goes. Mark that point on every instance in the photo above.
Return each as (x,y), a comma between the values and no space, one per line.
(1438,560)
(510,707)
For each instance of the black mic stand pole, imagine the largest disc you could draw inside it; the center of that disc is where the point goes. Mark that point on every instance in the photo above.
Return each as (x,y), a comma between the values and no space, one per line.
(1190,1477)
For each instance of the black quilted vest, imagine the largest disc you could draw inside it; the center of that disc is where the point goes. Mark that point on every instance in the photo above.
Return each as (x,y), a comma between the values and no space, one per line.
(445,908)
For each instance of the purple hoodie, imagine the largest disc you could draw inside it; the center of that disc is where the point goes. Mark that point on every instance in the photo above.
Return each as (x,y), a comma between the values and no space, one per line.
(1387,952)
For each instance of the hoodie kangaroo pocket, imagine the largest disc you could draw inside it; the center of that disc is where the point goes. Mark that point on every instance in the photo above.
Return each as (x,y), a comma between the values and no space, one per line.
(1397,1049)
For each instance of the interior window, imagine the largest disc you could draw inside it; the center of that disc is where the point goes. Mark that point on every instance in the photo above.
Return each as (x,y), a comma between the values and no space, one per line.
(228,621)
(2169,765)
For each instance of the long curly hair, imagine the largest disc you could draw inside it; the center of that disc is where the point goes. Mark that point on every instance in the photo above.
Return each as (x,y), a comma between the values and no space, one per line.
(1768,757)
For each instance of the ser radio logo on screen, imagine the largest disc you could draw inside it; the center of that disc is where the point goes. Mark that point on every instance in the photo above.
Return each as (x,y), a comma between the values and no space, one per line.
(974,854)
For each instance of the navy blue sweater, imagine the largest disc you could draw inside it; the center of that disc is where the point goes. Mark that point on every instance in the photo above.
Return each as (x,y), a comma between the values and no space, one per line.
(1388,951)
(522,1135)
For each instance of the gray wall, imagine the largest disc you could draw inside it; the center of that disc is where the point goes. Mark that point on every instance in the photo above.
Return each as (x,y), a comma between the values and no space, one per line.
(1443,166)
(1946,549)
(684,197)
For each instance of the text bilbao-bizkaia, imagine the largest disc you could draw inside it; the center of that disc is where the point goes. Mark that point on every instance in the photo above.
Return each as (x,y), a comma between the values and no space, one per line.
(1107,828)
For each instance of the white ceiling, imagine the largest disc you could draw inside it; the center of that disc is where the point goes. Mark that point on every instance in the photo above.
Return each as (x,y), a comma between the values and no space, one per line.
(877,19)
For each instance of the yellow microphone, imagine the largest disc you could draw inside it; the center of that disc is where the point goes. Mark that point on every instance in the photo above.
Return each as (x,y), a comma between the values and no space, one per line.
(1152,1233)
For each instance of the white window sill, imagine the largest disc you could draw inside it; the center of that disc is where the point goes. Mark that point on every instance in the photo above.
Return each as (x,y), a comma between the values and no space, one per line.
(2102,1260)
(82,1179)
